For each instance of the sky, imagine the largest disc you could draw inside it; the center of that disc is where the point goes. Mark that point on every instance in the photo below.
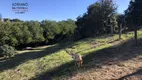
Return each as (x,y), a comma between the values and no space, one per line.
(52,9)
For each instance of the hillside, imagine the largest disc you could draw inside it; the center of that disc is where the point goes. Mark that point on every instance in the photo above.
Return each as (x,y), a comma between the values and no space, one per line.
(105,58)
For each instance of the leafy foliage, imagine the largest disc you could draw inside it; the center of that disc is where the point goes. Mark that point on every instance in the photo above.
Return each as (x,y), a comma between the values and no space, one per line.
(7,51)
(96,20)
(133,16)
(134,11)
(19,33)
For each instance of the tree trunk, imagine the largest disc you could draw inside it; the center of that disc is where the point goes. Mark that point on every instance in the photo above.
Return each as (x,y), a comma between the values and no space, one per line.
(135,30)
(120,31)
(111,29)
(135,33)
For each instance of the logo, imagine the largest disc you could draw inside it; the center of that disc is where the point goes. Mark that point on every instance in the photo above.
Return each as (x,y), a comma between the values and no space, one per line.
(20,8)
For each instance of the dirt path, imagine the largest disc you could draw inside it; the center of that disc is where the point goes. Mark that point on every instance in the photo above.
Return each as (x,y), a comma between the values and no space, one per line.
(122,62)
(129,69)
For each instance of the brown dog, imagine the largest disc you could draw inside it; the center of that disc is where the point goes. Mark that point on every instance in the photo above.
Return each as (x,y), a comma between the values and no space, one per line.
(77,58)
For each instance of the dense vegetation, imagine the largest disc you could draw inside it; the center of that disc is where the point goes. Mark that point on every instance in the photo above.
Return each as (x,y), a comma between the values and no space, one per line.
(53,62)
(101,18)
(32,33)
(133,16)
(105,55)
(7,51)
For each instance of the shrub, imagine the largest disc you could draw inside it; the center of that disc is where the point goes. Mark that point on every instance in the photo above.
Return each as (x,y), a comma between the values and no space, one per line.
(7,51)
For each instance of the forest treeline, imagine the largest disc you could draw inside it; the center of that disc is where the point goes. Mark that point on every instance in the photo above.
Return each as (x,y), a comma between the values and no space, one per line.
(101,18)
(32,33)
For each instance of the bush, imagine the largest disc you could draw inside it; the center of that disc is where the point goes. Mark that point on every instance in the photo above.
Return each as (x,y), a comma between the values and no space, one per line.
(7,51)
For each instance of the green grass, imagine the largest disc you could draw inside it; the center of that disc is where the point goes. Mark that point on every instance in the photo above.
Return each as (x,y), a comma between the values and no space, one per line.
(31,65)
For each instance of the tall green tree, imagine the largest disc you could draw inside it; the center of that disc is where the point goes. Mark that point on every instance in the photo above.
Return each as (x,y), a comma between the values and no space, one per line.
(50,29)
(35,30)
(20,33)
(134,15)
(95,20)
(121,22)
(5,31)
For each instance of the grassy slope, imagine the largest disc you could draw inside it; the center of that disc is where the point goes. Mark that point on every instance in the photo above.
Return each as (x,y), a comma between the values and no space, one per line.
(102,57)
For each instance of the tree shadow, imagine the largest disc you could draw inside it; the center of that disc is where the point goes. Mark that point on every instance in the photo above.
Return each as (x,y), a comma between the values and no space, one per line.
(21,58)
(137,74)
(108,56)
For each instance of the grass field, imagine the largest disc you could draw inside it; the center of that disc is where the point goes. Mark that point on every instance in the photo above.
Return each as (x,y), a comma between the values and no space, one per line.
(105,57)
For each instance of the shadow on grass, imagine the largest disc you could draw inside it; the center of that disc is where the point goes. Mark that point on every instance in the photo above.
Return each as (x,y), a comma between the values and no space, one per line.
(108,56)
(21,58)
(137,74)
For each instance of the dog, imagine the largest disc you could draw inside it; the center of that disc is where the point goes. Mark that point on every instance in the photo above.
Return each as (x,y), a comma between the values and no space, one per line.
(77,58)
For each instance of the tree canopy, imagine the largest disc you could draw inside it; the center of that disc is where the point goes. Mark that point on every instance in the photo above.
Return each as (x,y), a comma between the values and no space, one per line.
(133,16)
(96,20)
(17,32)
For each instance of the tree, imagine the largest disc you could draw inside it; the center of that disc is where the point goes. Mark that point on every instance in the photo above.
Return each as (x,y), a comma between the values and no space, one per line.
(50,29)
(36,31)
(95,20)
(120,20)
(5,31)
(134,15)
(112,22)
(67,27)
(19,34)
